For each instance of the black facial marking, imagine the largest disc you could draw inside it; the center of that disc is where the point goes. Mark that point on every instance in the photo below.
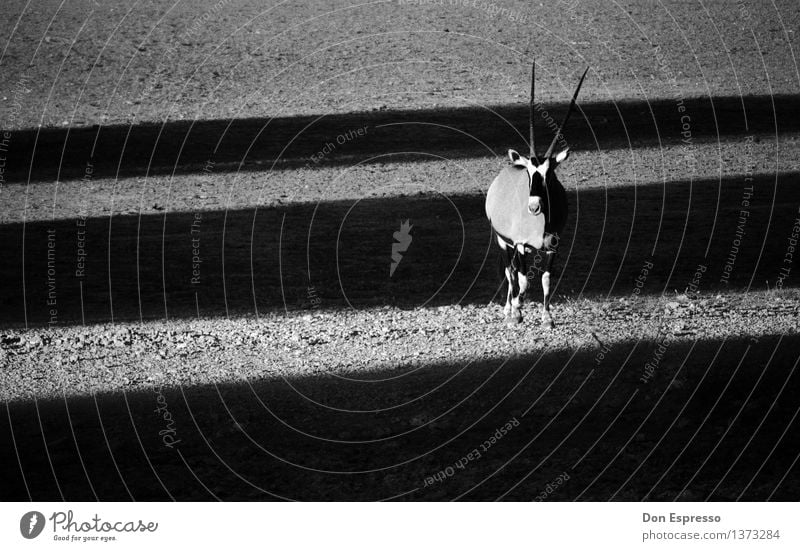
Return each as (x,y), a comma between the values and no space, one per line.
(537,184)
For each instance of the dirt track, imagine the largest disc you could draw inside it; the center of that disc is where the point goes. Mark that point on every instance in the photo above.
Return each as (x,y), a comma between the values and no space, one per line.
(290,365)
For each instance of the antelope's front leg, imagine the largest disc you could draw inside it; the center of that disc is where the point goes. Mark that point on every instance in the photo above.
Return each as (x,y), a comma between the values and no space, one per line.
(522,280)
(547,319)
(511,309)
(513,315)
(520,285)
(509,276)
(521,268)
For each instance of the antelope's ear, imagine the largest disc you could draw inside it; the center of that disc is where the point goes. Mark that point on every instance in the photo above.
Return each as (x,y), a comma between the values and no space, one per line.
(562,156)
(517,159)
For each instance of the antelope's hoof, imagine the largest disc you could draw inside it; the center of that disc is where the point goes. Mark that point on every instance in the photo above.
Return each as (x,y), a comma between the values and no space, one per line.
(507,310)
(514,318)
(547,322)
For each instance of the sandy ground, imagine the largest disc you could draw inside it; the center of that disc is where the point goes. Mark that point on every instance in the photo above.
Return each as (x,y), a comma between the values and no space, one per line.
(198,208)
(117,63)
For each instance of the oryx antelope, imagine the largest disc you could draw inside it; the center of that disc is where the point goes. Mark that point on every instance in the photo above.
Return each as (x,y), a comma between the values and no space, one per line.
(527,207)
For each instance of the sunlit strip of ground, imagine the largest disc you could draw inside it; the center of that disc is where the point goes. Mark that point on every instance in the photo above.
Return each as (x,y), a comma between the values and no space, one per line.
(226,188)
(361,343)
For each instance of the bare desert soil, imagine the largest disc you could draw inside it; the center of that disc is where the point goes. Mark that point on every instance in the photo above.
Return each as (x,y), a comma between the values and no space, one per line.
(690,398)
(198,205)
(120,63)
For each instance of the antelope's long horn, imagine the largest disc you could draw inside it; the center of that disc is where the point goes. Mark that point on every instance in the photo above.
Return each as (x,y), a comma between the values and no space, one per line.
(530,117)
(566,117)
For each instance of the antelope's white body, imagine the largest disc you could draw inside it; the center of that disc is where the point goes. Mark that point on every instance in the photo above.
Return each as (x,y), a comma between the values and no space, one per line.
(507,203)
(525,200)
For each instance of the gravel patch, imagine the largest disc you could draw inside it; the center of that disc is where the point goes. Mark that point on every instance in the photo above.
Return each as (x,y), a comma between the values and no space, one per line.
(370,344)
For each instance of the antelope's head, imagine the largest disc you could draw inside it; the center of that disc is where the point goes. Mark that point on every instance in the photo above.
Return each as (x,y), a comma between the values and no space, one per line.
(540,175)
(542,172)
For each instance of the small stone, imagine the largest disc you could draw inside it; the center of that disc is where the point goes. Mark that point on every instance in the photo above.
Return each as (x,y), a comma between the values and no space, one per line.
(34,341)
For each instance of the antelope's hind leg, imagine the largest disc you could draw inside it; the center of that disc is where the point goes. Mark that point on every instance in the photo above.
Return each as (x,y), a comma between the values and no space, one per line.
(547,319)
(508,271)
